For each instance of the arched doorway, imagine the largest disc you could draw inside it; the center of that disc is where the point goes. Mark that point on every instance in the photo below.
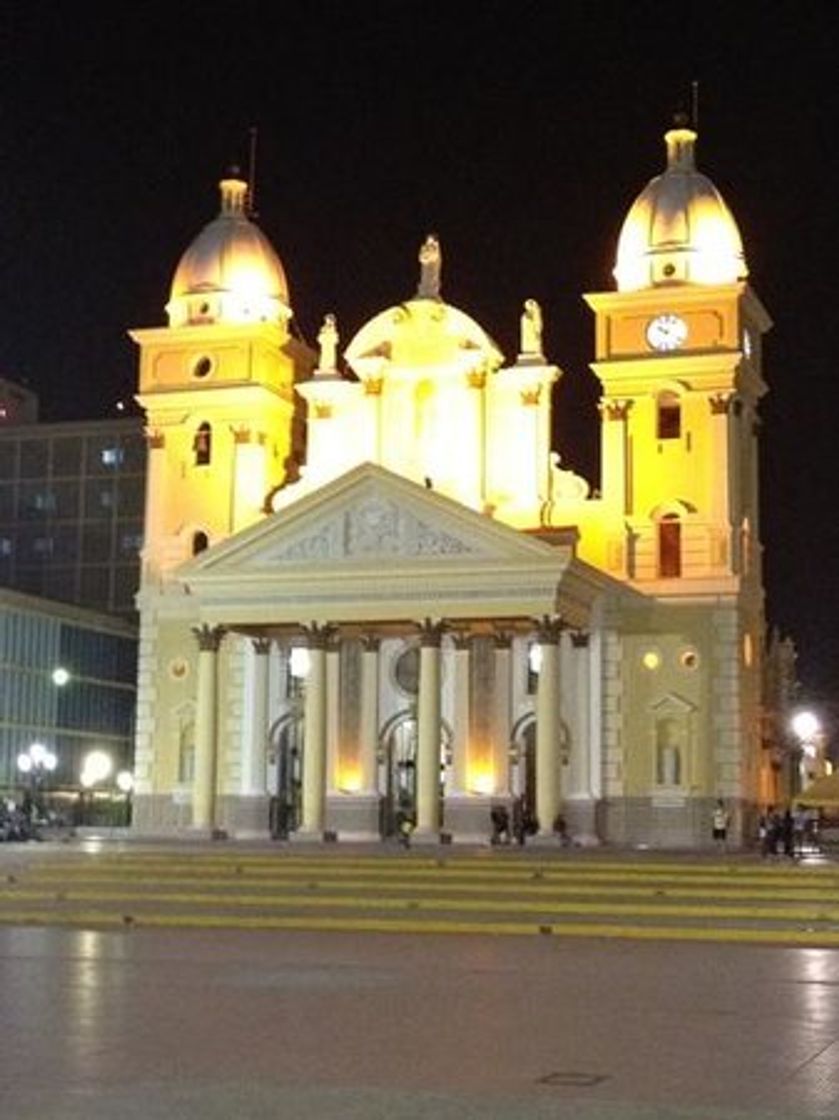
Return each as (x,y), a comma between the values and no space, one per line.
(398,769)
(523,782)
(525,777)
(287,750)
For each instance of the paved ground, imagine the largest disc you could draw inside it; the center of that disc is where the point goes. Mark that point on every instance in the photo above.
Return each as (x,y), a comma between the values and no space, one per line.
(132,1020)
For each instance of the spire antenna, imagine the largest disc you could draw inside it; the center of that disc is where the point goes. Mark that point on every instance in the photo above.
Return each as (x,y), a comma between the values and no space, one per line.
(253,137)
(694,105)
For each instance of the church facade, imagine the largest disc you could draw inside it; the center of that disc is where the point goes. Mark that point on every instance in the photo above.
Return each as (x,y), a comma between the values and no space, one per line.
(424,614)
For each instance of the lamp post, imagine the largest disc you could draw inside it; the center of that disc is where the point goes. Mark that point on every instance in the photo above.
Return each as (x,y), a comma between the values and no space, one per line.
(35,764)
(807,729)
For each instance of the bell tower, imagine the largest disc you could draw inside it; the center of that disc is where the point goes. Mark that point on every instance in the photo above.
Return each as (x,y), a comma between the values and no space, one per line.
(217,387)
(678,356)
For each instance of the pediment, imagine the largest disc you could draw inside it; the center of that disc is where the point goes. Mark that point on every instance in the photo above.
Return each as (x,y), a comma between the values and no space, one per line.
(673,705)
(372,518)
(373,546)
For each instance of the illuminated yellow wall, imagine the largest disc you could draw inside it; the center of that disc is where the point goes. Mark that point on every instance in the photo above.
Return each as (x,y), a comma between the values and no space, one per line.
(239,380)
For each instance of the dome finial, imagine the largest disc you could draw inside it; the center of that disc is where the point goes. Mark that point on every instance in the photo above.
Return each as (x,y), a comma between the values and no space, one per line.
(234,192)
(431,259)
(680,141)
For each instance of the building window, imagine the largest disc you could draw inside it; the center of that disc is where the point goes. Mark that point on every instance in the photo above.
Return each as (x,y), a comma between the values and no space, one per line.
(669,417)
(203,366)
(534,664)
(111,456)
(669,547)
(406,670)
(200,541)
(203,445)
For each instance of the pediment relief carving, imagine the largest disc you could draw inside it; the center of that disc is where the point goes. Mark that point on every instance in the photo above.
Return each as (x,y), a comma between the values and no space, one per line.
(374,527)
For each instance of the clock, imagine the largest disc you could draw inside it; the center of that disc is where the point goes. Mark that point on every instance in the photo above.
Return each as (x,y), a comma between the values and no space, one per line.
(667,332)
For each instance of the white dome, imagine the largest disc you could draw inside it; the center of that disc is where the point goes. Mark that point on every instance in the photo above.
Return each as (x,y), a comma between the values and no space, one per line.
(231,272)
(679,230)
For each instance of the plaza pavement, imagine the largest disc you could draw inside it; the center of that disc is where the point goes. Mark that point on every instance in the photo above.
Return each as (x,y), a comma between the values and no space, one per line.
(107,1014)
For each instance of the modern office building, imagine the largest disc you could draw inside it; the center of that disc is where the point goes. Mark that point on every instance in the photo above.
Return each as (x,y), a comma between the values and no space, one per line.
(71,507)
(67,682)
(434,615)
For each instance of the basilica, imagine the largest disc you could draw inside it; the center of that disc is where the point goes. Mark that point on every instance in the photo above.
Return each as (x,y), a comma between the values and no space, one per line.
(372,592)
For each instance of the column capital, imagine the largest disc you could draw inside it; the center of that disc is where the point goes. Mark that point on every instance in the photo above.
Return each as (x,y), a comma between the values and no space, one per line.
(579,639)
(370,643)
(615,409)
(261,646)
(208,637)
(318,635)
(502,639)
(548,630)
(431,632)
(720,403)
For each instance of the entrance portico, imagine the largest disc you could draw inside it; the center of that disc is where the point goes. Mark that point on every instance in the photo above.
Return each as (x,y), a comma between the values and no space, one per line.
(360,606)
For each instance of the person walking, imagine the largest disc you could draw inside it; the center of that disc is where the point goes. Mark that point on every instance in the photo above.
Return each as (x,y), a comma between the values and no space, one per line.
(500,819)
(788,833)
(719,824)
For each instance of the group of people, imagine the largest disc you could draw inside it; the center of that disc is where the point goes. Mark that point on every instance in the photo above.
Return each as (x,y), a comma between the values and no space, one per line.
(506,830)
(786,833)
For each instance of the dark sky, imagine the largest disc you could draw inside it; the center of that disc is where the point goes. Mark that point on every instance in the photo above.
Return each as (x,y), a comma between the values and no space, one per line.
(519,132)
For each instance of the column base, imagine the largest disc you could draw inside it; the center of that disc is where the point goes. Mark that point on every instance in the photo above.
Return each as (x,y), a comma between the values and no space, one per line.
(467,816)
(354,816)
(308,836)
(426,838)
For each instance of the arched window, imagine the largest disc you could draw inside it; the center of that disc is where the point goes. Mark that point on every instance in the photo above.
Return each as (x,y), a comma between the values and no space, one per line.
(669,546)
(669,417)
(200,542)
(203,444)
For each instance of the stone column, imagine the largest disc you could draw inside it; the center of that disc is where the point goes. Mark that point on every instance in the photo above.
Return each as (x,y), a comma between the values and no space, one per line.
(501,722)
(428,732)
(460,721)
(206,727)
(255,764)
(368,732)
(548,726)
(333,713)
(617,484)
(314,734)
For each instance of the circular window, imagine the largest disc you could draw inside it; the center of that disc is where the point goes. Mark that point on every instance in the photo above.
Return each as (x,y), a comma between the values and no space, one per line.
(689,659)
(178,669)
(202,366)
(406,670)
(669,269)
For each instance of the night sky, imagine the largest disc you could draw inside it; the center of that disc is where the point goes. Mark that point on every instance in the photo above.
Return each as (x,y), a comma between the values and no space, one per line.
(518,132)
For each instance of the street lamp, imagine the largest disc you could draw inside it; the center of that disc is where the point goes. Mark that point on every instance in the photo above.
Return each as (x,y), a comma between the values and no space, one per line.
(35,764)
(36,761)
(60,676)
(807,729)
(96,767)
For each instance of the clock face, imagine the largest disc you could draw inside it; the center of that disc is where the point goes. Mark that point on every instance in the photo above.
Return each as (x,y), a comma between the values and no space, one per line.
(667,332)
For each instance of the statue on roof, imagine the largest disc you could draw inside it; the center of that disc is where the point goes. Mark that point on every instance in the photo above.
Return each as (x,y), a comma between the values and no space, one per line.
(531,329)
(430,259)
(328,342)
